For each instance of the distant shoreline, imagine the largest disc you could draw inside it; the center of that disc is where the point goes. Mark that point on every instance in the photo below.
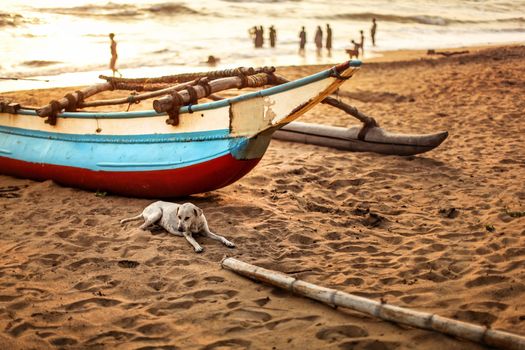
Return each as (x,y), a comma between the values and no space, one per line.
(91,77)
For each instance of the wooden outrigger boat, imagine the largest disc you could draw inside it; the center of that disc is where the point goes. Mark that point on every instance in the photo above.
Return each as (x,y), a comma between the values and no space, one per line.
(139,154)
(178,148)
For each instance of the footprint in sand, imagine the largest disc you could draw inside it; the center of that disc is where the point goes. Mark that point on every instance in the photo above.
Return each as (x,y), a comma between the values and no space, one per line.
(231,344)
(249,316)
(154,329)
(80,305)
(233,304)
(478,317)
(262,302)
(63,341)
(369,344)
(214,279)
(128,264)
(337,333)
(115,335)
(161,309)
(10,191)
(205,294)
(24,326)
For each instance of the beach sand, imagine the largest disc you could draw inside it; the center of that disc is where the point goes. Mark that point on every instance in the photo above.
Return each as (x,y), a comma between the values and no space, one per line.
(438,232)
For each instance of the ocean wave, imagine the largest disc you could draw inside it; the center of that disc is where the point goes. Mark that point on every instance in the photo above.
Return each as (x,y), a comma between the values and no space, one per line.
(171,8)
(419,19)
(40,63)
(110,9)
(124,10)
(512,19)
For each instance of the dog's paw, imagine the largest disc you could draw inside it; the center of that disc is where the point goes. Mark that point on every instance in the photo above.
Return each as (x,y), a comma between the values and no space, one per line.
(199,250)
(229,244)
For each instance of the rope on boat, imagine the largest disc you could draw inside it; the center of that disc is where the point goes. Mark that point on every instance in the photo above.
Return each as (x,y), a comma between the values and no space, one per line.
(8,107)
(205,83)
(335,73)
(56,107)
(173,112)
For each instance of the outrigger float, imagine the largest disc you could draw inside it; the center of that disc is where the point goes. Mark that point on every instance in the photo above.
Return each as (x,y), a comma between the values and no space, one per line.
(180,147)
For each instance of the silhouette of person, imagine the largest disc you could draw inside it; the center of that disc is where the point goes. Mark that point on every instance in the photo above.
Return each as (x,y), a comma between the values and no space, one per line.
(302,41)
(362,43)
(259,36)
(328,39)
(273,36)
(212,60)
(373,31)
(253,35)
(318,40)
(114,56)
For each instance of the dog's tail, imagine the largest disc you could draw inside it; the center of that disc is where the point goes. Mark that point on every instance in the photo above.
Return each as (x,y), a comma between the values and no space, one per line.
(138,217)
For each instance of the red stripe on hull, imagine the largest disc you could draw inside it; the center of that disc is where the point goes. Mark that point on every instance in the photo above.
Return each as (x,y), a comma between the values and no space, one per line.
(193,179)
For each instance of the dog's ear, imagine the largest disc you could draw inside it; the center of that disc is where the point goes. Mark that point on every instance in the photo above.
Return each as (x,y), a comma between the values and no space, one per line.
(197,211)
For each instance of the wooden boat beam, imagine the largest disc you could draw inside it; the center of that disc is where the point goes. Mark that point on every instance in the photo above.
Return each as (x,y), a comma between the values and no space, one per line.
(166,103)
(180,78)
(70,101)
(137,98)
(366,120)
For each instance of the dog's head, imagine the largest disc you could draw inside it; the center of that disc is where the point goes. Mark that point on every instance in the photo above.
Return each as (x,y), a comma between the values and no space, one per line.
(188,217)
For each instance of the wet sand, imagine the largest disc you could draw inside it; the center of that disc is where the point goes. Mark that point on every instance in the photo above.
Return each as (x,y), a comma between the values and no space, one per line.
(441,232)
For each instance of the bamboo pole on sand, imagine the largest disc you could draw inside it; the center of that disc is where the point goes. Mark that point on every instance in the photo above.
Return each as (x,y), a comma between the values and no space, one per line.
(424,320)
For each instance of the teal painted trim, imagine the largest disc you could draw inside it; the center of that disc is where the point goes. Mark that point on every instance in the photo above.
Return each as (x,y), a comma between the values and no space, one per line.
(221,134)
(204,106)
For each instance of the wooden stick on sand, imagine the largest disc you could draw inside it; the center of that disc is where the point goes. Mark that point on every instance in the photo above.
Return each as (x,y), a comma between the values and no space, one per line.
(425,320)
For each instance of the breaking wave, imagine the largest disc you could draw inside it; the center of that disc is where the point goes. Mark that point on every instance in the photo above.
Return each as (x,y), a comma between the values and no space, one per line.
(419,19)
(170,8)
(124,10)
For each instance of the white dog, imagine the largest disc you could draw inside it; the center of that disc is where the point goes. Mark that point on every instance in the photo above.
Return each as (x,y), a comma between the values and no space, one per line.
(178,219)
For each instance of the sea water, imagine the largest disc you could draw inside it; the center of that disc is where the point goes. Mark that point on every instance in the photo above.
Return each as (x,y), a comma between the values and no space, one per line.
(66,41)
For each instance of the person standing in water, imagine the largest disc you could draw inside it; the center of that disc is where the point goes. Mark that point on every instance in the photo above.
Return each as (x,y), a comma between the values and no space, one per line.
(373,31)
(260,37)
(319,40)
(114,56)
(253,35)
(362,43)
(302,41)
(329,39)
(273,36)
